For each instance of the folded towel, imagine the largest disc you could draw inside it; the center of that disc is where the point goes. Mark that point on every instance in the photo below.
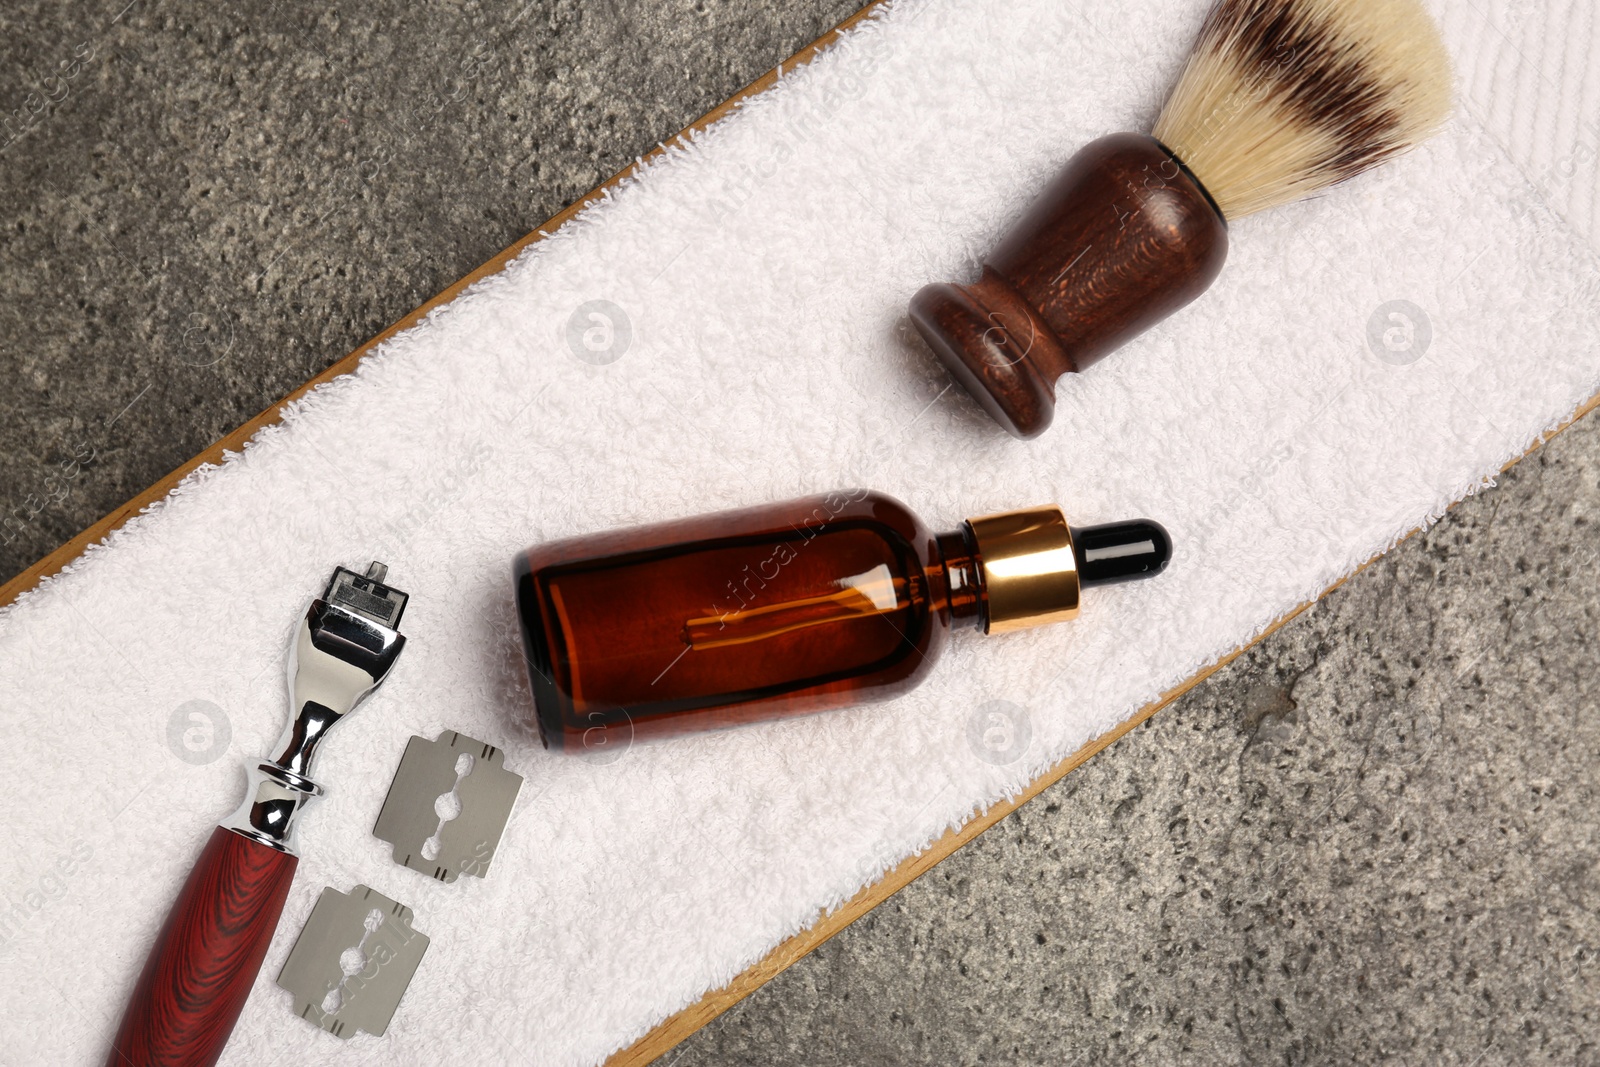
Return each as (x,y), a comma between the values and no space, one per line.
(1366,359)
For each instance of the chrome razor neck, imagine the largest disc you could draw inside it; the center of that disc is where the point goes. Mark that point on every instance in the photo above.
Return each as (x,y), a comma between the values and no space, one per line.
(337,658)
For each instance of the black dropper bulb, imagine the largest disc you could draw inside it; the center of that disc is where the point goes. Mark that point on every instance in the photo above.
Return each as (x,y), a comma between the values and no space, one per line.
(1120,551)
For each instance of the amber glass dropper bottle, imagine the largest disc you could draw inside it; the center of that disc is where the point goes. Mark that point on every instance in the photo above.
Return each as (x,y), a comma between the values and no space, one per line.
(788,608)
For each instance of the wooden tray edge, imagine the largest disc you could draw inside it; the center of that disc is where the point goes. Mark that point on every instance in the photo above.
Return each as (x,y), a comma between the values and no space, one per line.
(58,560)
(678,1026)
(675,1028)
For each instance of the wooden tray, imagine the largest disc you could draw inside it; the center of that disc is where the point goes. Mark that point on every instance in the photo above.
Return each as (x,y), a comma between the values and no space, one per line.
(667,1034)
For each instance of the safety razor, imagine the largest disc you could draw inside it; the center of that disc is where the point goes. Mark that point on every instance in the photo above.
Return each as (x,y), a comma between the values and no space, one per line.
(206,957)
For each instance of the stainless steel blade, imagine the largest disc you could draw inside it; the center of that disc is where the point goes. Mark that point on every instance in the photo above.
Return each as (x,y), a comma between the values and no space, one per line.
(447,806)
(352,962)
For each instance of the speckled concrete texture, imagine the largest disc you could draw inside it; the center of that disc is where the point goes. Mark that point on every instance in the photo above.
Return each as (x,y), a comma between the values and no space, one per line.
(1372,839)
(206,204)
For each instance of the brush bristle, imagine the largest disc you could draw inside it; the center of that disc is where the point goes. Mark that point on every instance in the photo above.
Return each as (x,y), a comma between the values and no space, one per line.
(1284,97)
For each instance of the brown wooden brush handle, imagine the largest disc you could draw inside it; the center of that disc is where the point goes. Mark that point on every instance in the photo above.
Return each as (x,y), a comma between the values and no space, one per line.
(206,957)
(1123,237)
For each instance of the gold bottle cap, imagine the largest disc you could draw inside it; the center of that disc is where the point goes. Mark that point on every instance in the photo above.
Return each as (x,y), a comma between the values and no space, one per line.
(1029,572)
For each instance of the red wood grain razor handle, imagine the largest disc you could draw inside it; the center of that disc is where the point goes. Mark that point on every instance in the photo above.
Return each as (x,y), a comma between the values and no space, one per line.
(205,960)
(208,953)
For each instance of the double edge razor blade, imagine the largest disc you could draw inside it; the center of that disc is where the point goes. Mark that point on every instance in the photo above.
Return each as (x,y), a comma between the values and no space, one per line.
(353,961)
(447,806)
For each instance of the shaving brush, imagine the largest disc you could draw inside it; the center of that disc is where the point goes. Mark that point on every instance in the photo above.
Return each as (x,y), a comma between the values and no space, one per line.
(1279,99)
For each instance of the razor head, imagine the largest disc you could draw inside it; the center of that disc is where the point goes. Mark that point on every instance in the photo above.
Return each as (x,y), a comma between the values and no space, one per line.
(344,648)
(356,624)
(367,595)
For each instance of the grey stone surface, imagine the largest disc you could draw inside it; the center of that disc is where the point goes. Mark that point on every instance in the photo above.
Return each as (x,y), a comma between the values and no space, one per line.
(206,204)
(1371,839)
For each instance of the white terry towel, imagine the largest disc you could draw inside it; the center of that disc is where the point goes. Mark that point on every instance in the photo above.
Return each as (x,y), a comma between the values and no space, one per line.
(1285,428)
